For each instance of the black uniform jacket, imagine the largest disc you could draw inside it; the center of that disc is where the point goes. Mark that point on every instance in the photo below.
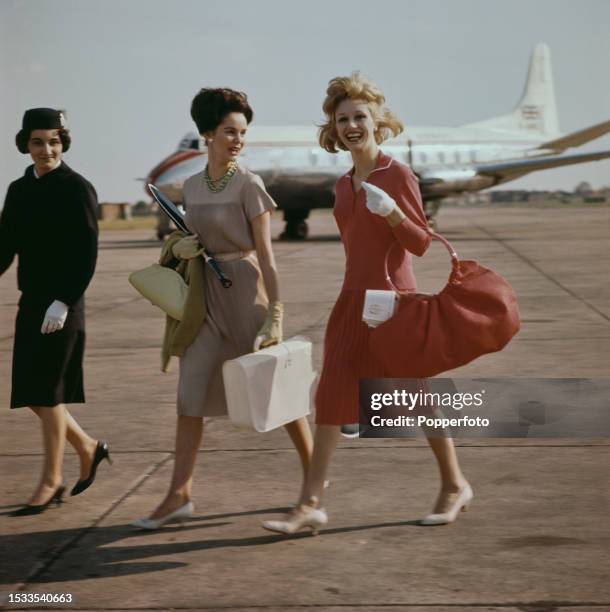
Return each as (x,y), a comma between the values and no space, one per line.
(50,223)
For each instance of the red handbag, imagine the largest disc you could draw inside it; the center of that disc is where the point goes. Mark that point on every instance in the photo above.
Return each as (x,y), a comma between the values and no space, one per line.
(474,314)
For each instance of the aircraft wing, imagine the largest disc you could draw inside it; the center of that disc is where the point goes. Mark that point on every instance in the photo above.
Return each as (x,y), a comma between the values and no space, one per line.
(575,139)
(509,170)
(436,184)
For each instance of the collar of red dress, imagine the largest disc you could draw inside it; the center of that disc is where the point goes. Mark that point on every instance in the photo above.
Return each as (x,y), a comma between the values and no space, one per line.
(383,163)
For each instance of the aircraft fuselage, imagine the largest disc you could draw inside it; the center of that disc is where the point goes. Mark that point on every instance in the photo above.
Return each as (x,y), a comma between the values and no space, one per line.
(299,174)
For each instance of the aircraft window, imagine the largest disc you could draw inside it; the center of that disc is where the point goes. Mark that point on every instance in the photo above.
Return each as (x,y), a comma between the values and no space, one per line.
(423,158)
(441,157)
(190,142)
(473,155)
(456,156)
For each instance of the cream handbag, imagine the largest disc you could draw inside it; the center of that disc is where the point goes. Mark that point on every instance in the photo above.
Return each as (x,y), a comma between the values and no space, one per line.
(162,287)
(271,387)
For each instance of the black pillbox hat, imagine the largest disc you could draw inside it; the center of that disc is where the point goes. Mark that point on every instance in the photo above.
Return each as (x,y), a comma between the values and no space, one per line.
(39,119)
(42,119)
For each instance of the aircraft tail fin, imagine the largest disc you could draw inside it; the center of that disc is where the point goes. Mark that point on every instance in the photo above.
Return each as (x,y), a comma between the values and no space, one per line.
(536,112)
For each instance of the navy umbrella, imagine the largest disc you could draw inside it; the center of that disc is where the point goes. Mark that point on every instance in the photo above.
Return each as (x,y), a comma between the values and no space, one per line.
(172,211)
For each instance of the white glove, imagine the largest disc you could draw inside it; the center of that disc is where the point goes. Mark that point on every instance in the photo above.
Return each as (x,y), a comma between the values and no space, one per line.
(378,201)
(187,248)
(54,318)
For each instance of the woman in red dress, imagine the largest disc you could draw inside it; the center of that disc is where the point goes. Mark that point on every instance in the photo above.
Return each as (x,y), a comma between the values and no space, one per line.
(377,204)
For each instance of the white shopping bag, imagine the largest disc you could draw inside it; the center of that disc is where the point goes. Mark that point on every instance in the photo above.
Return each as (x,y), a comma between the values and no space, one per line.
(271,387)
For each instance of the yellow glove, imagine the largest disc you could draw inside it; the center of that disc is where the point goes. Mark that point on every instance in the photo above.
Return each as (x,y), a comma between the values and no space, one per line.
(271,331)
(187,248)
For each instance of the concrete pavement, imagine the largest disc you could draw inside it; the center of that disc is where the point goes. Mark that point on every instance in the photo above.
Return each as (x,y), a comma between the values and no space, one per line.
(535,539)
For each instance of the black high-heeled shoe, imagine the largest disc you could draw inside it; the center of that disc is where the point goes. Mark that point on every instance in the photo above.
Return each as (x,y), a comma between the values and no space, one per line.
(101,452)
(28,509)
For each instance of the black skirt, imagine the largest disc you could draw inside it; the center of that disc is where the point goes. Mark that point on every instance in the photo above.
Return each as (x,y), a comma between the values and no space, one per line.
(47,368)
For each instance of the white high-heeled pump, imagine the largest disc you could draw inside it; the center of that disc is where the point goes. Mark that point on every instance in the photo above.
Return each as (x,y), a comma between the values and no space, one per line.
(304,515)
(462,501)
(180,514)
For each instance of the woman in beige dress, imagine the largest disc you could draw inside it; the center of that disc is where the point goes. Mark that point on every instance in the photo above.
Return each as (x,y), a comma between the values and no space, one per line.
(227,210)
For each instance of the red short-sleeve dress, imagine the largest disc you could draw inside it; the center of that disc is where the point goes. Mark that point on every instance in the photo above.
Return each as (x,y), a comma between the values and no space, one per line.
(366,238)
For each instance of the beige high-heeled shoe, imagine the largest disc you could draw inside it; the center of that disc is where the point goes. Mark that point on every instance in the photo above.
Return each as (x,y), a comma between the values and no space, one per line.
(304,515)
(461,502)
(179,515)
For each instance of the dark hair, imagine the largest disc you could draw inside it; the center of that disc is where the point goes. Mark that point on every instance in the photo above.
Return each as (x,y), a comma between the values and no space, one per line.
(210,106)
(23,137)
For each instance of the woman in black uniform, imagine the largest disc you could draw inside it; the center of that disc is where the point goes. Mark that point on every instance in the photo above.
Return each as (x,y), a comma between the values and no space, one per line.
(49,221)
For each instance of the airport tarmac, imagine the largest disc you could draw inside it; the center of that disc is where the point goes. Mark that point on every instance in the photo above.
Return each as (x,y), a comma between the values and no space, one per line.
(535,538)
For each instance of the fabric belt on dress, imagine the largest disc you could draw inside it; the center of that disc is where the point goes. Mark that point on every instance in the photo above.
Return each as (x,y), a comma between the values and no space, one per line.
(234,255)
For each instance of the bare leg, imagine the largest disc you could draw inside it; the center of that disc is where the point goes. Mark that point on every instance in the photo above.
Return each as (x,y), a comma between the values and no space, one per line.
(300,434)
(189,431)
(53,420)
(308,512)
(452,478)
(325,442)
(83,444)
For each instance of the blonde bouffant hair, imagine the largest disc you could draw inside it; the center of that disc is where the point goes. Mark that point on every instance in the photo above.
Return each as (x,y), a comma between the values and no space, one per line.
(356,87)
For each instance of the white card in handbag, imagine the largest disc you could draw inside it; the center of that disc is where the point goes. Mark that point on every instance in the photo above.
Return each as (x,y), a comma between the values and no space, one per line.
(271,387)
(379,306)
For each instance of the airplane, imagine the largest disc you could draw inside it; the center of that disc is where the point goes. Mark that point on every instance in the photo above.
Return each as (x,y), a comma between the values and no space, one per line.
(448,161)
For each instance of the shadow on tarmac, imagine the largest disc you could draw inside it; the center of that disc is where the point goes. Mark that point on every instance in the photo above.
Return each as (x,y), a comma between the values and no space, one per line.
(88,553)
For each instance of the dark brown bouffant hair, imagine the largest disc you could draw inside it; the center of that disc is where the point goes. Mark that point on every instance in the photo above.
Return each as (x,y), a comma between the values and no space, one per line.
(23,137)
(210,106)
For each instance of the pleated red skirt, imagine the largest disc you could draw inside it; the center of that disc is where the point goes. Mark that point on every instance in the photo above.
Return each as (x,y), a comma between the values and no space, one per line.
(347,359)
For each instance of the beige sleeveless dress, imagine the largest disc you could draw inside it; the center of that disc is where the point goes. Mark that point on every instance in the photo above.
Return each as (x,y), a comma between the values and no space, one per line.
(235,315)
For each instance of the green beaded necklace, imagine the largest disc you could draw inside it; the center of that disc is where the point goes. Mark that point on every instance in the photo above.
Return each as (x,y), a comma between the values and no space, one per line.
(223,181)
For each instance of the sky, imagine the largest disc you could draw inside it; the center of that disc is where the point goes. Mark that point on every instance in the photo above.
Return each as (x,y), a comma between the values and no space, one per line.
(126,70)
